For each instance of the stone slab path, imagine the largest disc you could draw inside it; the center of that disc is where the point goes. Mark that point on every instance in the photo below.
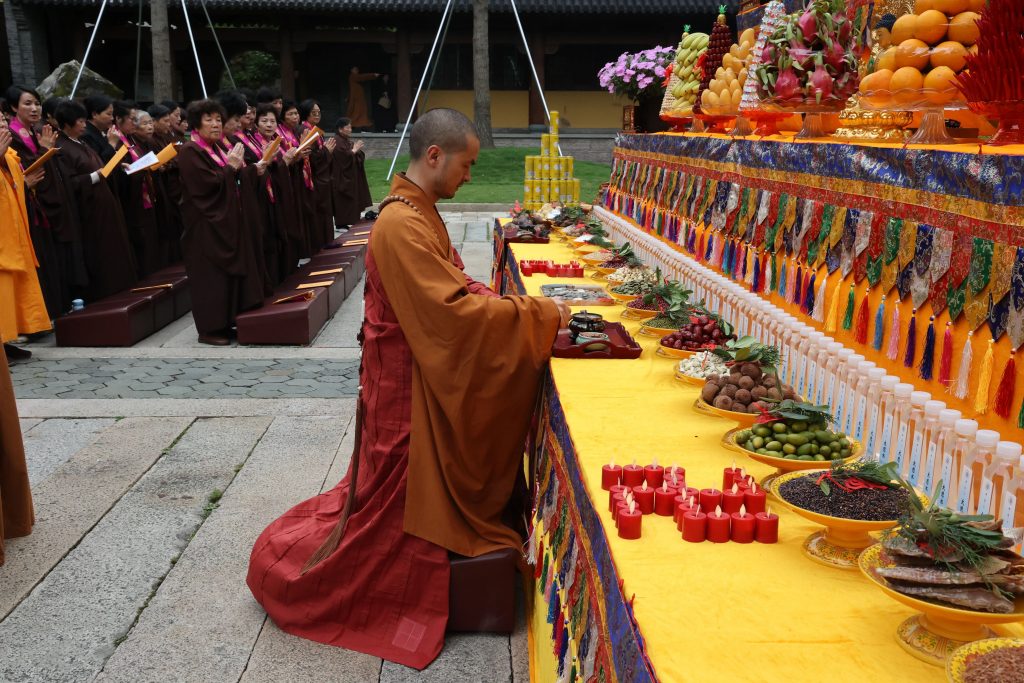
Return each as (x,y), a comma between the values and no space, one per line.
(153,470)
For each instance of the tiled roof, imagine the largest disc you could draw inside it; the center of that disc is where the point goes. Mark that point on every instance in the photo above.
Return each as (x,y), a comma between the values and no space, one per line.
(435,6)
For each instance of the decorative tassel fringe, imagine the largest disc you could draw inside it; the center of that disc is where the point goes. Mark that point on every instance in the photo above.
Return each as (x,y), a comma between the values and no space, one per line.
(782,279)
(860,329)
(768,274)
(819,300)
(809,302)
(848,315)
(911,350)
(946,359)
(963,376)
(894,333)
(928,356)
(791,280)
(756,282)
(985,379)
(798,287)
(1004,394)
(879,325)
(1020,417)
(833,308)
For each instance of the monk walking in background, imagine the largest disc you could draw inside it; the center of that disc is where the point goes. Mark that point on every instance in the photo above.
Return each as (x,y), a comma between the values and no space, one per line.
(358,110)
(450,376)
(16,513)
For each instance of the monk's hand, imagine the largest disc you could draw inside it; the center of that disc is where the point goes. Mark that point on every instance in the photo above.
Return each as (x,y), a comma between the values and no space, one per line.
(32,179)
(5,140)
(48,138)
(564,313)
(358,146)
(236,157)
(331,144)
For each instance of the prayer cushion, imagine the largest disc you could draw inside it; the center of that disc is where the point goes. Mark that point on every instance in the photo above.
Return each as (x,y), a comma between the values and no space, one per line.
(336,292)
(482,592)
(293,322)
(161,302)
(109,322)
(179,288)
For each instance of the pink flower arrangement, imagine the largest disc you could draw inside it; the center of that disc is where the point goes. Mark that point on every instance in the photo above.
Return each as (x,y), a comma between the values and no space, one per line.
(635,75)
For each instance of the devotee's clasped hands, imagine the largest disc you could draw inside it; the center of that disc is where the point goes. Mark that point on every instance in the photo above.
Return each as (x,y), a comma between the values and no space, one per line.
(236,157)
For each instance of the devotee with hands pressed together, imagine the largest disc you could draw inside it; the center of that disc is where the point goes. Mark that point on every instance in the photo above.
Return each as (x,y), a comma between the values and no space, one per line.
(450,375)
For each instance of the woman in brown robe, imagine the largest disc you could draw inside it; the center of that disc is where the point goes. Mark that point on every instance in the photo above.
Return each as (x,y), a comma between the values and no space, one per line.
(320,161)
(168,187)
(281,195)
(290,130)
(16,513)
(138,196)
(217,246)
(52,214)
(348,177)
(109,259)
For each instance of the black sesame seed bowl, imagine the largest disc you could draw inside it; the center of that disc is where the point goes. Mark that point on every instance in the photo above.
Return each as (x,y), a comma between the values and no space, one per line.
(840,544)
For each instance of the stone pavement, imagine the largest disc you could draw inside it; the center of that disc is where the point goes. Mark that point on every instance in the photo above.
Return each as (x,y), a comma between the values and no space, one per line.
(153,470)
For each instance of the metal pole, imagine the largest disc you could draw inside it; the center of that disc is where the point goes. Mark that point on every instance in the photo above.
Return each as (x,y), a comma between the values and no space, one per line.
(217,43)
(88,48)
(533,69)
(405,129)
(433,68)
(195,52)
(138,51)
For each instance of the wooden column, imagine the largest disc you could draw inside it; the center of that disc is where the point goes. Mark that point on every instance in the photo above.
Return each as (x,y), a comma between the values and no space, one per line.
(537,48)
(287,64)
(403,75)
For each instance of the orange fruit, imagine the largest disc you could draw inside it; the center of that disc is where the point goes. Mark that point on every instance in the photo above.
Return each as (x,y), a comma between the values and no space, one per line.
(887,60)
(906,85)
(951,7)
(922,6)
(904,28)
(875,82)
(939,86)
(963,28)
(912,52)
(931,26)
(949,53)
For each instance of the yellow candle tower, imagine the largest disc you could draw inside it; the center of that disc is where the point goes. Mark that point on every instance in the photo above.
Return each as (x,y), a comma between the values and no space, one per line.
(549,177)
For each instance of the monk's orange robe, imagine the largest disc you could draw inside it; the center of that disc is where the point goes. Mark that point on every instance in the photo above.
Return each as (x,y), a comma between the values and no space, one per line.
(22,308)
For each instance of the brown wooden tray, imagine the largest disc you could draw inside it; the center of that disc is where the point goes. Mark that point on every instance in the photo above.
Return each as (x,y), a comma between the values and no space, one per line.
(619,345)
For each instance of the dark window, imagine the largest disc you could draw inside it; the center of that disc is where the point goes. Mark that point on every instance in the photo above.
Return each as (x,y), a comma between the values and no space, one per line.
(575,67)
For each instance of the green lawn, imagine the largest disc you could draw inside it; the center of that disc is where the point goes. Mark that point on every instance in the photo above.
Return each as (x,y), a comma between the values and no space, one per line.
(497,177)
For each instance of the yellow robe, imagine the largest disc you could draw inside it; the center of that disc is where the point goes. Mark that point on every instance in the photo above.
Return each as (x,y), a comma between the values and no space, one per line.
(22,309)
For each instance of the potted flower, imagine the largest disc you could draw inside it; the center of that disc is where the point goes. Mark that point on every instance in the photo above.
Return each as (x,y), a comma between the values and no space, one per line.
(639,77)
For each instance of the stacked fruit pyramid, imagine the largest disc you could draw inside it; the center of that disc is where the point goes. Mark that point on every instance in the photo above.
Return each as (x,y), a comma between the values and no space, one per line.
(718,48)
(722,98)
(929,49)
(681,93)
(773,13)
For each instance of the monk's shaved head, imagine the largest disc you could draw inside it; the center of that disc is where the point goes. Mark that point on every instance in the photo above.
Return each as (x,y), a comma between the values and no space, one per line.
(448,129)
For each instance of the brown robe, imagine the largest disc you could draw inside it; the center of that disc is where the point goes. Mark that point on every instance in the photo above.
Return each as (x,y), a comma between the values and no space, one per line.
(219,253)
(168,192)
(348,183)
(109,258)
(323,229)
(140,215)
(357,109)
(16,513)
(476,370)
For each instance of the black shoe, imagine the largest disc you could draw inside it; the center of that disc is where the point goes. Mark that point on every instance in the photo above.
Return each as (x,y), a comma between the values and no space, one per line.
(214,339)
(16,352)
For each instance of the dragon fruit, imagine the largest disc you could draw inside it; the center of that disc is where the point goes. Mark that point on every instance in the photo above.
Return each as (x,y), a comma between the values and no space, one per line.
(820,84)
(808,24)
(835,55)
(788,85)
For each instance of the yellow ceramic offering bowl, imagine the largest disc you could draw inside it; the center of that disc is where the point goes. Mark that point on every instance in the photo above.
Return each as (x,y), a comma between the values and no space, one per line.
(622,298)
(938,630)
(638,314)
(668,352)
(658,332)
(689,379)
(782,465)
(956,665)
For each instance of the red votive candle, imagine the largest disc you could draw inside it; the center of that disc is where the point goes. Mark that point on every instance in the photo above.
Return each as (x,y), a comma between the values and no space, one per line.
(644,498)
(709,500)
(718,526)
(629,523)
(732,499)
(682,508)
(616,488)
(766,527)
(679,481)
(610,475)
(621,507)
(664,500)
(680,499)
(728,474)
(695,525)
(755,499)
(632,475)
(689,491)
(742,526)
(655,474)
(741,480)
(525,268)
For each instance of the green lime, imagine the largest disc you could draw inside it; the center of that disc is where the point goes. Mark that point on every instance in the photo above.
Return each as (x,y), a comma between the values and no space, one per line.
(779,428)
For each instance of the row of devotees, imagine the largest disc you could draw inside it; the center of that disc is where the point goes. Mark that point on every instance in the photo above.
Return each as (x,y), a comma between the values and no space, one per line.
(241,203)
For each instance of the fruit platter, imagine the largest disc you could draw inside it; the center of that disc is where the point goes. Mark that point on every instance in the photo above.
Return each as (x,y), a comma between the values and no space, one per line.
(704,330)
(684,79)
(851,500)
(578,295)
(723,95)
(792,435)
(525,226)
(959,571)
(752,379)
(711,67)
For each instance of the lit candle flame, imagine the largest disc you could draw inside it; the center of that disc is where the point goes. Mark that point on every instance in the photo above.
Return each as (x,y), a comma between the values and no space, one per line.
(654,463)
(691,501)
(632,506)
(718,511)
(753,487)
(644,487)
(664,486)
(769,511)
(735,487)
(743,510)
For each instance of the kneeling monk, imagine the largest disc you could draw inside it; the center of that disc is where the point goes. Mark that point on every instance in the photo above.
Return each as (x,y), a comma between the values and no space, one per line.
(449,377)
